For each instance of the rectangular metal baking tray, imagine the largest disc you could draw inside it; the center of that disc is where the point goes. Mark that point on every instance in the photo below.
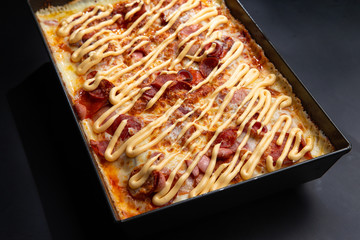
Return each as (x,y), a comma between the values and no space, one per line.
(255,187)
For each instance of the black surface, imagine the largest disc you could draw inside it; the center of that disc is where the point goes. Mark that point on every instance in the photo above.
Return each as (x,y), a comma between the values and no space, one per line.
(49,188)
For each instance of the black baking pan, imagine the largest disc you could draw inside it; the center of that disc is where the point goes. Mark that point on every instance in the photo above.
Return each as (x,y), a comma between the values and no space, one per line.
(247,190)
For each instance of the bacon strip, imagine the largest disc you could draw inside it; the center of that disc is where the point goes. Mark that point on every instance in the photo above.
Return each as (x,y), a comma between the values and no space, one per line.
(227,138)
(147,188)
(186,31)
(99,147)
(239,96)
(120,8)
(155,183)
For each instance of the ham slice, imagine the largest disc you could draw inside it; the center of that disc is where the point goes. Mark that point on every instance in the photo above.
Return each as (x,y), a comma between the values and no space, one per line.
(161,182)
(224,153)
(195,172)
(203,163)
(81,110)
(137,56)
(200,167)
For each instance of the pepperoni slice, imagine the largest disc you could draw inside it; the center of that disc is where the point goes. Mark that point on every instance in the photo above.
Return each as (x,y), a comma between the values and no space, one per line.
(180,85)
(228,42)
(197,77)
(149,94)
(88,103)
(181,81)
(256,126)
(217,51)
(162,79)
(133,125)
(185,75)
(207,65)
(203,91)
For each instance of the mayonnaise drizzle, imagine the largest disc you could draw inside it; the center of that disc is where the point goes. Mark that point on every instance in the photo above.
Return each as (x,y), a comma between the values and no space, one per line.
(126,92)
(134,10)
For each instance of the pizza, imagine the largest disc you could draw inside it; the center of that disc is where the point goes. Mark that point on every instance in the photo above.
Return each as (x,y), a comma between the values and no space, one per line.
(175,98)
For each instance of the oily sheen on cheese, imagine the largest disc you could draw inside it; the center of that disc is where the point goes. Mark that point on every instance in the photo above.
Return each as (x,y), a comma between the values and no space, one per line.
(175,98)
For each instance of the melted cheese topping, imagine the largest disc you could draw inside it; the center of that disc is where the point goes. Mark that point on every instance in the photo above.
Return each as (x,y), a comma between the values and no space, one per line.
(259,106)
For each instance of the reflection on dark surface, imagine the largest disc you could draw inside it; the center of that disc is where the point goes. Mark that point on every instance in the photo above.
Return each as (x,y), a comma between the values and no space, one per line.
(71,194)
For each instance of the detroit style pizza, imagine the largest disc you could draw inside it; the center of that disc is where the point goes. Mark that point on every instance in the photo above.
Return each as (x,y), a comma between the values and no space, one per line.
(175,98)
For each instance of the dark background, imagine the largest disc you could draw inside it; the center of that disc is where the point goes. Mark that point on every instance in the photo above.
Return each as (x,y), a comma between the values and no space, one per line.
(49,189)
